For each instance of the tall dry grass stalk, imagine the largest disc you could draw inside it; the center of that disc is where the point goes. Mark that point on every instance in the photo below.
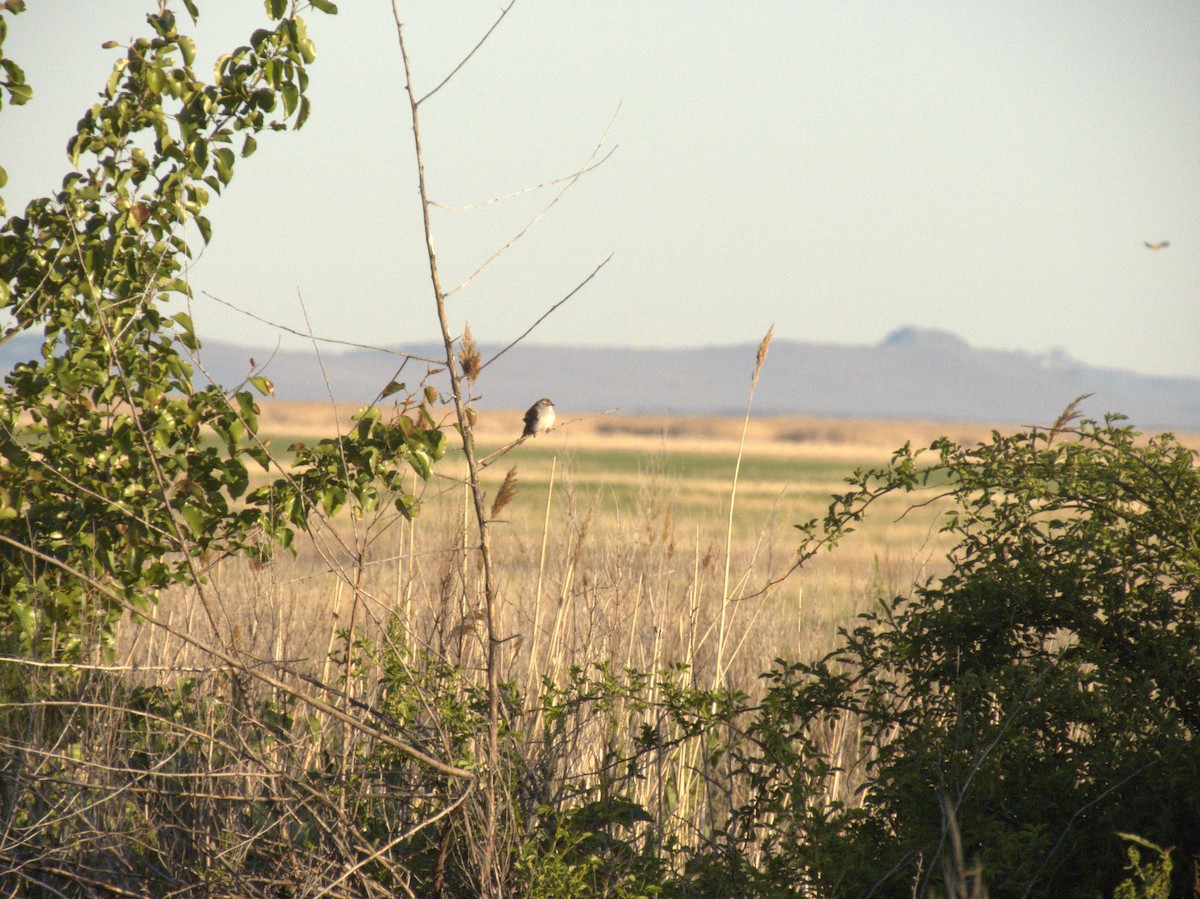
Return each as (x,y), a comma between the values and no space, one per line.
(760,358)
(535,638)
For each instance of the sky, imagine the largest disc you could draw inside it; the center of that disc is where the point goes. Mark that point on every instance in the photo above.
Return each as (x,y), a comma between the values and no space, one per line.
(837,169)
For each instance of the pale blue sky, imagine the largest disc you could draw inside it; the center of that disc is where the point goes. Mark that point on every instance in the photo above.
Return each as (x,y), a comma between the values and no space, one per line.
(837,168)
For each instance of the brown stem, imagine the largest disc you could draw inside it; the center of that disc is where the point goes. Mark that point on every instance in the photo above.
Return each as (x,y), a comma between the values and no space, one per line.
(489,881)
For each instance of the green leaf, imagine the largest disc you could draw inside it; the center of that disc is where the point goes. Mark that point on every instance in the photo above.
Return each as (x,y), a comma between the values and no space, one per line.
(16,75)
(76,147)
(393,387)
(325,6)
(368,498)
(275,8)
(273,72)
(263,385)
(332,499)
(308,50)
(246,405)
(224,162)
(19,94)
(291,95)
(189,331)
(421,464)
(408,506)
(155,79)
(25,616)
(195,519)
(187,47)
(249,146)
(205,227)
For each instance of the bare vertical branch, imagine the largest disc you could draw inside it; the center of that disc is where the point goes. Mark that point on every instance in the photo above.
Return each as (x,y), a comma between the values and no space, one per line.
(489,882)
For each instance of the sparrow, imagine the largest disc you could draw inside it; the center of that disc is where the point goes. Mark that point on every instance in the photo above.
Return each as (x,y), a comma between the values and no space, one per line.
(1157,246)
(539,418)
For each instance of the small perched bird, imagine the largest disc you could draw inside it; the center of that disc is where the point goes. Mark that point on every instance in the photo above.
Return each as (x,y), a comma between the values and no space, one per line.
(540,417)
(1157,246)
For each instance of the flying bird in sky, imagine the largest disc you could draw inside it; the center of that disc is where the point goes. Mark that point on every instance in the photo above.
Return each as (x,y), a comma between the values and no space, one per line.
(1157,246)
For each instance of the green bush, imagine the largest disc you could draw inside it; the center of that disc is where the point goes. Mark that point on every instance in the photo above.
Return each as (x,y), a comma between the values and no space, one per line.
(112,488)
(569,832)
(121,473)
(1045,693)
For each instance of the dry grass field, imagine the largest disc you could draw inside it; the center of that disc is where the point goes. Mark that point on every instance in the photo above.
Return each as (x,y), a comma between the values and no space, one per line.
(618,545)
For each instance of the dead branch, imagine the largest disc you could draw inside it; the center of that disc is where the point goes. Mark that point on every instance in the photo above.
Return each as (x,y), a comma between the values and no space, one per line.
(571,182)
(546,314)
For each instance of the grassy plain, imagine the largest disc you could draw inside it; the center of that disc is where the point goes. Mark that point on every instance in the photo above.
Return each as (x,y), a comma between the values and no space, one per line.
(618,545)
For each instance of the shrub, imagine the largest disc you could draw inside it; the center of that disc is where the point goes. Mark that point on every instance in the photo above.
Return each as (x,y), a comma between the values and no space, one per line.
(111,489)
(1044,694)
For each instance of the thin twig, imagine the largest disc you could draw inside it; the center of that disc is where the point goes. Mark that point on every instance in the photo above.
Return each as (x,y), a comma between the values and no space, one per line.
(525,190)
(396,841)
(546,314)
(454,71)
(587,166)
(307,335)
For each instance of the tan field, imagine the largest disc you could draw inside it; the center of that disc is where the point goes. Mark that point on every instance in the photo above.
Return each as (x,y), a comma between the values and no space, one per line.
(619,544)
(772,435)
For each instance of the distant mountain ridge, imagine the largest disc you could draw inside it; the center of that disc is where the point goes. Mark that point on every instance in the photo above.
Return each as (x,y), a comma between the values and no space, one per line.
(914,373)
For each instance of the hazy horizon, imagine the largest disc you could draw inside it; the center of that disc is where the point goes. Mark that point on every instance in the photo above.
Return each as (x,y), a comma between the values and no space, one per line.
(304,345)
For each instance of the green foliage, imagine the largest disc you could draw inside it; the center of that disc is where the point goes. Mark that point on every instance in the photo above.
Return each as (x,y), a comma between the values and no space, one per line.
(13,86)
(575,828)
(363,468)
(592,850)
(1149,880)
(120,474)
(1047,687)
